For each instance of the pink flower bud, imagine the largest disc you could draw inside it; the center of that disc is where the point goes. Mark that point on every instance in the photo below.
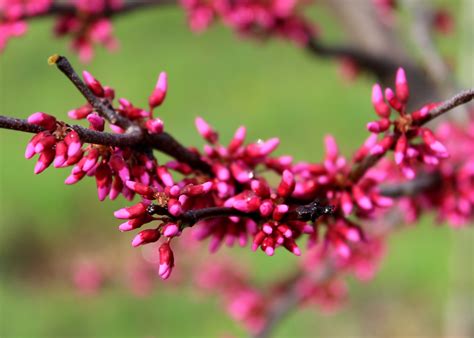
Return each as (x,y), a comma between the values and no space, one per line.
(71,160)
(174,207)
(287,184)
(258,240)
(116,188)
(73,143)
(159,93)
(246,203)
(30,147)
(80,113)
(381,108)
(342,249)
(261,148)
(285,230)
(378,126)
(120,167)
(61,154)
(382,146)
(408,172)
(346,203)
(400,149)
(421,114)
(116,129)
(267,228)
(170,230)
(93,84)
(401,86)
(44,161)
(154,126)
(135,223)
(91,159)
(109,93)
(266,208)
(165,176)
(260,187)
(393,100)
(196,190)
(145,237)
(241,172)
(45,143)
(221,171)
(332,150)
(206,130)
(142,189)
(237,140)
(166,260)
(103,180)
(362,200)
(74,178)
(431,141)
(96,122)
(134,211)
(44,120)
(280,211)
(291,246)
(268,246)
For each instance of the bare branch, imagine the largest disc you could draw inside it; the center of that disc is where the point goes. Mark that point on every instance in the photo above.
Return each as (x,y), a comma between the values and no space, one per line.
(423,182)
(61,7)
(380,66)
(457,100)
(103,106)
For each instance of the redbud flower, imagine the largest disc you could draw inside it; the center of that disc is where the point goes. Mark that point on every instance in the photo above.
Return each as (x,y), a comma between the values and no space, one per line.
(406,128)
(145,237)
(166,260)
(93,84)
(159,93)
(44,120)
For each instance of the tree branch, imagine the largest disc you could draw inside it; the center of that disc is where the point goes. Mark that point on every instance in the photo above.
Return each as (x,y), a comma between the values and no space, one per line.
(457,100)
(163,142)
(61,8)
(464,97)
(307,212)
(103,106)
(381,67)
(423,182)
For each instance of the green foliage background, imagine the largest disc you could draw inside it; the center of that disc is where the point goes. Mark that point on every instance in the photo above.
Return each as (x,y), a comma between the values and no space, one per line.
(274,89)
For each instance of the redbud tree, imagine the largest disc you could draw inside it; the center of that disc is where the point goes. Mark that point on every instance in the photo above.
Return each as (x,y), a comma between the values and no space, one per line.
(415,160)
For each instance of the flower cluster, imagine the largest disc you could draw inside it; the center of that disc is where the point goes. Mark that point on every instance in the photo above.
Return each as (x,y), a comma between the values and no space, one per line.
(88,25)
(241,193)
(12,15)
(244,303)
(252,17)
(453,198)
(85,21)
(233,197)
(403,132)
(111,166)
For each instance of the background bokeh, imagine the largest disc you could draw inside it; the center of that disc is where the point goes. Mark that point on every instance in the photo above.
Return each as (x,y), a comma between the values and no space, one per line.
(274,89)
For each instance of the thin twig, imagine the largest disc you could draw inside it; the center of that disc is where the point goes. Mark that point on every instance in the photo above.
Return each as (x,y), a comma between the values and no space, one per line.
(65,8)
(457,100)
(423,182)
(103,106)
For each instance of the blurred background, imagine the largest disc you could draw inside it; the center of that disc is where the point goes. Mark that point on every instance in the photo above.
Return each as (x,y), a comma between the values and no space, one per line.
(65,269)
